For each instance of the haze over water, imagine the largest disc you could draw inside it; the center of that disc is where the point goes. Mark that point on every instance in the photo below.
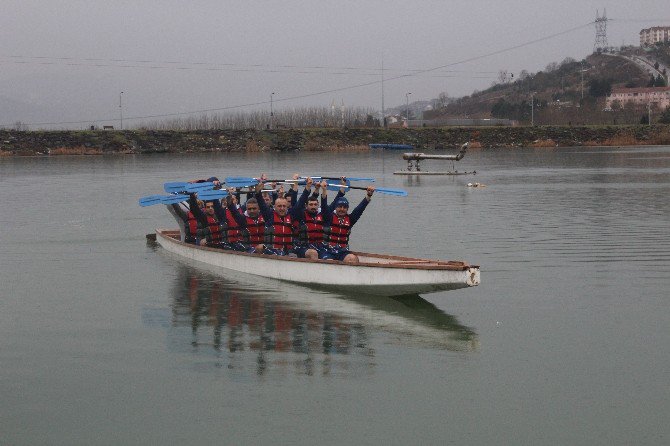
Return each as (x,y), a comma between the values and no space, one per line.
(105,339)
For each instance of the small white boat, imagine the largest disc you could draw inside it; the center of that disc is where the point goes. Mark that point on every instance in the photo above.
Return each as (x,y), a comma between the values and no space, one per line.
(415,169)
(376,274)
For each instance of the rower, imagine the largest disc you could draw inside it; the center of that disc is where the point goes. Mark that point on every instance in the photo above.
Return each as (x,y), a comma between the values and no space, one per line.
(250,224)
(309,223)
(337,226)
(188,224)
(229,218)
(278,225)
(210,232)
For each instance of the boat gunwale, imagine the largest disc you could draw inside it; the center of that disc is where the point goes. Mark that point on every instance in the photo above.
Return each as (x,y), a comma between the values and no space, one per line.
(440,265)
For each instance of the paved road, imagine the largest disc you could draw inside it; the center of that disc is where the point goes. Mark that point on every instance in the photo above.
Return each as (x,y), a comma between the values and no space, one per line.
(645,64)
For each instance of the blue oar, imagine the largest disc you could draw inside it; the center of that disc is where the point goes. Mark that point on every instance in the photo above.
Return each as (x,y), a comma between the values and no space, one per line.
(174,199)
(151,200)
(197,187)
(248,181)
(370,180)
(382,190)
(174,186)
(212,194)
(182,186)
(162,199)
(244,181)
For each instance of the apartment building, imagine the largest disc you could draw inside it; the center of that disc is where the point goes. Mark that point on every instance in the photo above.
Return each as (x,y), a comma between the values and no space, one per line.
(654,34)
(658,96)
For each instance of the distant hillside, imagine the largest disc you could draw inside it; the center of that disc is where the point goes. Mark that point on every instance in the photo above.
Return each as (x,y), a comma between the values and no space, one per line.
(570,92)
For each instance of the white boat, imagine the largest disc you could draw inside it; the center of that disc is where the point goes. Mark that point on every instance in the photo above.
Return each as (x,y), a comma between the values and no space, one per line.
(415,169)
(376,274)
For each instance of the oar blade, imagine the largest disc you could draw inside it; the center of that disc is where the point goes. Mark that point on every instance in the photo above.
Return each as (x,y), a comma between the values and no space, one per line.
(241,182)
(174,199)
(150,200)
(198,187)
(238,179)
(387,191)
(212,194)
(175,186)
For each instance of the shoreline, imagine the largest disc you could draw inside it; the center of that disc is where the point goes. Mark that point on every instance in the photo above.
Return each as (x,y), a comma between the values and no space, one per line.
(426,139)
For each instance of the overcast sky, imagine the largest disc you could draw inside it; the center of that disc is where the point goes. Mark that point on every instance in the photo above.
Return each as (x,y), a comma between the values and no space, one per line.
(69,60)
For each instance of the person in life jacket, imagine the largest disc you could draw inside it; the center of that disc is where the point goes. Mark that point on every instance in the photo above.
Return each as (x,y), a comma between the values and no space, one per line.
(210,232)
(188,225)
(229,218)
(278,225)
(309,222)
(338,224)
(250,224)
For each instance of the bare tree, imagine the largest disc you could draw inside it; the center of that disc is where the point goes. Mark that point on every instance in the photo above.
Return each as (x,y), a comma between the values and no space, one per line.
(503,77)
(288,118)
(553,66)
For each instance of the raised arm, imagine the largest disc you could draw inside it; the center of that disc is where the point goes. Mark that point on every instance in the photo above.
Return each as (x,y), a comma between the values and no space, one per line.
(266,211)
(237,215)
(324,195)
(356,213)
(196,211)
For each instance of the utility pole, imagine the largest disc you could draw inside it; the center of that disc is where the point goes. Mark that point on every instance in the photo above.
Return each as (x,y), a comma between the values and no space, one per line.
(121,110)
(407,110)
(383,113)
(271,111)
(649,112)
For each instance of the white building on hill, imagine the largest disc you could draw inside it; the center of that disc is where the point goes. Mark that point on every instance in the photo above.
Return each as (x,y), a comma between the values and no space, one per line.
(659,96)
(654,34)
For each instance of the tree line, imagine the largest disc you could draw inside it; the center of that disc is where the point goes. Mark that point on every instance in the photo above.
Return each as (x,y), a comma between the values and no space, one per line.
(303,117)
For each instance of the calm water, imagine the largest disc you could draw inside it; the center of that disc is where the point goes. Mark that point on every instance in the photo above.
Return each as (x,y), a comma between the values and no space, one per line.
(105,339)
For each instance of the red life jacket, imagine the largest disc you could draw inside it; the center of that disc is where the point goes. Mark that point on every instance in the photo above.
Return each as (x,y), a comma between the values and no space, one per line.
(216,234)
(311,229)
(191,226)
(279,234)
(338,232)
(255,229)
(233,230)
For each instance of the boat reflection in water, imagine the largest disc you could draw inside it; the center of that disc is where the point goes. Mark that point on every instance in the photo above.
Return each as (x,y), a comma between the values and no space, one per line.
(270,325)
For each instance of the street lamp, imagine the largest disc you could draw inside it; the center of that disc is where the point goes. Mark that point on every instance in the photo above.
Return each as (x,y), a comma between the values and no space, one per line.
(407,110)
(121,109)
(271,110)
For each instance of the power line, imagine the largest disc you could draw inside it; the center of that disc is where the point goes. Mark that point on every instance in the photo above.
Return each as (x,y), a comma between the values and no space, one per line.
(334,90)
(97,63)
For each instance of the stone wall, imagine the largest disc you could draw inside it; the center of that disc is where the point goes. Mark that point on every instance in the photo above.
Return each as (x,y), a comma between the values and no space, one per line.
(47,143)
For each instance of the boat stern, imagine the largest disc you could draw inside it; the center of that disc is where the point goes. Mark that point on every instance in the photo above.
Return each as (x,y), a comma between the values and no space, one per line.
(473,276)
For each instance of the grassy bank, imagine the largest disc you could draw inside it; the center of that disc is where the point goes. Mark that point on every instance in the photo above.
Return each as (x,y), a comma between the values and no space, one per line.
(53,143)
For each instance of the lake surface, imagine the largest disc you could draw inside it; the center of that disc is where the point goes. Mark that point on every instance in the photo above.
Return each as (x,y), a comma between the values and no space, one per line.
(106,339)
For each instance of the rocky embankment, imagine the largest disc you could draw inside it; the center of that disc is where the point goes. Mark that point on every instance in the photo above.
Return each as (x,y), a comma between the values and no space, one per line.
(50,143)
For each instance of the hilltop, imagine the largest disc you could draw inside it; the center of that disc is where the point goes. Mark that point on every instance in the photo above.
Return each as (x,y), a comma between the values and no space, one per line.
(567,93)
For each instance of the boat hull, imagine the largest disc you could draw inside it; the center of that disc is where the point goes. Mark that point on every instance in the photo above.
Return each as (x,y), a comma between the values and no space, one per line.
(375,274)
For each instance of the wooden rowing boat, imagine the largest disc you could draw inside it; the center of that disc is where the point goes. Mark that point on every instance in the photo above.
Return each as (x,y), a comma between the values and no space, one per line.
(376,274)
